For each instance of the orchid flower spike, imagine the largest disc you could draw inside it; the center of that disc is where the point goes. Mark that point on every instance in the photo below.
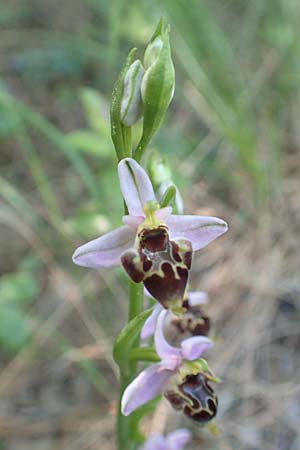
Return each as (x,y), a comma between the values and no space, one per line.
(192,302)
(173,441)
(175,365)
(153,245)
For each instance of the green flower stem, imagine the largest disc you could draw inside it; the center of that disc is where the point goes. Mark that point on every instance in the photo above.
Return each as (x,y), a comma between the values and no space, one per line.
(126,426)
(136,292)
(127,151)
(136,306)
(140,149)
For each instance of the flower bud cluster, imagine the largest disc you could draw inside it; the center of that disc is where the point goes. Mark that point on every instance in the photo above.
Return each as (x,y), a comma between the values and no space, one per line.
(143,91)
(148,92)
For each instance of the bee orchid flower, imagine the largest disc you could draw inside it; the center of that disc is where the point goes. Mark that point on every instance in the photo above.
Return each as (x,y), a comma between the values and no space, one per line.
(175,362)
(154,245)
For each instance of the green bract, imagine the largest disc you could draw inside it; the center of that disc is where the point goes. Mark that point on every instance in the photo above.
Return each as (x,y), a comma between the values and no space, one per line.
(126,338)
(120,133)
(157,85)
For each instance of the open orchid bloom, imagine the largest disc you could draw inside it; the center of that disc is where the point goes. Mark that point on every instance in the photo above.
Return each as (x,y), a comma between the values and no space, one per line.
(173,441)
(192,302)
(157,378)
(153,245)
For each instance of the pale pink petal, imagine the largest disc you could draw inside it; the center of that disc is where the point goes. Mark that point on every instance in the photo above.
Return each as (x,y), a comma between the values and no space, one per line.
(135,185)
(146,386)
(196,298)
(150,324)
(200,230)
(164,350)
(106,250)
(132,221)
(164,213)
(192,348)
(155,442)
(178,439)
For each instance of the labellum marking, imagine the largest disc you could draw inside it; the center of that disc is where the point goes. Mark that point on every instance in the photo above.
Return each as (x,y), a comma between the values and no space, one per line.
(163,265)
(195,397)
(193,321)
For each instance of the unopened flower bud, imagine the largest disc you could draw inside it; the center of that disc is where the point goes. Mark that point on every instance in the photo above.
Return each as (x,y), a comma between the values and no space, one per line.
(157,85)
(132,105)
(159,74)
(152,51)
(120,133)
(161,177)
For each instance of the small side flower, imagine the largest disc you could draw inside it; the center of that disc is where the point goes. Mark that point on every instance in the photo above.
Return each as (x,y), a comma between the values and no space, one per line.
(173,441)
(192,320)
(168,375)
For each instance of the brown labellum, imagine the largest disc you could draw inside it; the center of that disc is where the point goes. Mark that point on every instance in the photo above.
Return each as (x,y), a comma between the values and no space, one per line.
(195,397)
(163,265)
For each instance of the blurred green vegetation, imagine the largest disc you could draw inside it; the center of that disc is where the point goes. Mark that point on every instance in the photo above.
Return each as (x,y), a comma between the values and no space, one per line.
(236,65)
(231,124)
